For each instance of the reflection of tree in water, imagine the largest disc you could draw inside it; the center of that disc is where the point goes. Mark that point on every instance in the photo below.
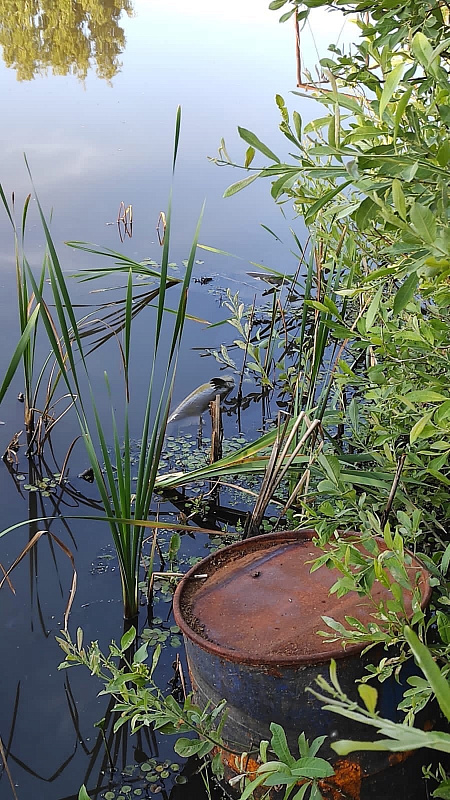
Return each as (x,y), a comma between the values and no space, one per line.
(66,36)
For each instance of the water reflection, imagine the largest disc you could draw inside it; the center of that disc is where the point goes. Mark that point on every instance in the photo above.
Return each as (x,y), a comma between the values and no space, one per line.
(65,37)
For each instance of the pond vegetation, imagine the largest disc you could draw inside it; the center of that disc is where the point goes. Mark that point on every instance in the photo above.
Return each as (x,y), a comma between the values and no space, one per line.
(351,347)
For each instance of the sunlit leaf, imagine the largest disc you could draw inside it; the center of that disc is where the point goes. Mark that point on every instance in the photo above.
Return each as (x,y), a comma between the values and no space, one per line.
(427,664)
(390,85)
(369,696)
(236,187)
(253,141)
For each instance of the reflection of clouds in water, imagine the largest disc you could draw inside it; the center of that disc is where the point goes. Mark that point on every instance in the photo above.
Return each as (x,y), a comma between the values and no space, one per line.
(251,12)
(325,27)
(90,146)
(52,162)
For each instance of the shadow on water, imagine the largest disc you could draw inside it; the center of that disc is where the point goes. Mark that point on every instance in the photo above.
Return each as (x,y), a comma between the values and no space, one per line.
(108,757)
(115,758)
(42,485)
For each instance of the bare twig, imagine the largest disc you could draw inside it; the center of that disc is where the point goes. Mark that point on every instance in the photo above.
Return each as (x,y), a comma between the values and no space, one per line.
(5,764)
(244,361)
(394,487)
(298,52)
(10,455)
(8,581)
(216,430)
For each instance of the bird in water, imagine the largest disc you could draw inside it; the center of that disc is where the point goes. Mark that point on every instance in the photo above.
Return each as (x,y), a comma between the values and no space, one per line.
(198,401)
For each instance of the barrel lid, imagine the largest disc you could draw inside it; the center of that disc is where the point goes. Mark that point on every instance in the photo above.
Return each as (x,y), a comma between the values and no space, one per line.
(260,604)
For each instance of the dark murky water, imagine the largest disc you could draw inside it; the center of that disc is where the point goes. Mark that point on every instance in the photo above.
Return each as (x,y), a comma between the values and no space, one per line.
(92,102)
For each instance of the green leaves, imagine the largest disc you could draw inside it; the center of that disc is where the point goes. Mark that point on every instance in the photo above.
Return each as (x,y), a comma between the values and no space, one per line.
(368,695)
(400,737)
(399,198)
(279,744)
(140,654)
(21,346)
(192,747)
(423,51)
(425,661)
(253,141)
(419,427)
(312,767)
(109,449)
(390,85)
(82,794)
(128,638)
(424,396)
(406,292)
(323,201)
(236,187)
(249,156)
(373,308)
(288,771)
(423,222)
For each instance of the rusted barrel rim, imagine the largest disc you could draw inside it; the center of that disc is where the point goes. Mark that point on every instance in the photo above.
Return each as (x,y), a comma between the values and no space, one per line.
(270,660)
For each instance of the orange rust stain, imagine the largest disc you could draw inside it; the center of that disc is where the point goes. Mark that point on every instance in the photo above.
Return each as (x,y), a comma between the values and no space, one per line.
(234,765)
(251,765)
(397,758)
(191,678)
(235,762)
(345,783)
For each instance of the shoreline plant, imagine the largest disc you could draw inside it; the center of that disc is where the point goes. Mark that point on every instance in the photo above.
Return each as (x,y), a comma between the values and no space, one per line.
(367,357)
(126,504)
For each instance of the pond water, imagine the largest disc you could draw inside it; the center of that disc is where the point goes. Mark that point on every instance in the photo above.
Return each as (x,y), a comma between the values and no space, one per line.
(90,92)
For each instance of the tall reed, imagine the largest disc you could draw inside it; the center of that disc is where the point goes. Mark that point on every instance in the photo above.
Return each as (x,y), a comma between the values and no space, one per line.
(126,504)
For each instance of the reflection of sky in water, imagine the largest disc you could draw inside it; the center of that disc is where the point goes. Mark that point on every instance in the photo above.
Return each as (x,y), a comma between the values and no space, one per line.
(91,144)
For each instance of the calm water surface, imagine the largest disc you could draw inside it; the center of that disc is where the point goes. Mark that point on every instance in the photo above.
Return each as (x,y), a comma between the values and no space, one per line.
(91,100)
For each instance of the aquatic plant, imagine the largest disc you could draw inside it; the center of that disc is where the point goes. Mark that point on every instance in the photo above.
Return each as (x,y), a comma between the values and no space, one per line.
(126,504)
(140,702)
(138,699)
(400,736)
(28,312)
(285,770)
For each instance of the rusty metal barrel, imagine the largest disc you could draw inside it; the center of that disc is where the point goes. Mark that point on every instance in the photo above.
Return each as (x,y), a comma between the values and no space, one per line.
(250,614)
